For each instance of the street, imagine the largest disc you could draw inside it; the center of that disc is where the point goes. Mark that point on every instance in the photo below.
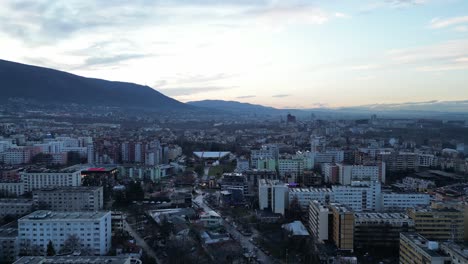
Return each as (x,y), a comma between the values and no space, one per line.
(243,240)
(141,242)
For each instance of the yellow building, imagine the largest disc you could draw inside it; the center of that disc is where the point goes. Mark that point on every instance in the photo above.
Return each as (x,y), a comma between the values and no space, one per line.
(343,227)
(439,224)
(415,249)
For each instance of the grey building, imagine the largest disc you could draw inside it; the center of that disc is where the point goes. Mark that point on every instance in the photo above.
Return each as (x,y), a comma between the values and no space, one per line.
(89,198)
(15,207)
(9,242)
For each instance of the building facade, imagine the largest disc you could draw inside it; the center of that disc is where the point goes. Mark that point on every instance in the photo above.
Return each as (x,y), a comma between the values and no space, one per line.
(92,228)
(70,198)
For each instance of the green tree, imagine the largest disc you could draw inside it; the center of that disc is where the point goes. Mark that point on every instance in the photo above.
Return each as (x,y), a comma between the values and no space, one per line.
(50,249)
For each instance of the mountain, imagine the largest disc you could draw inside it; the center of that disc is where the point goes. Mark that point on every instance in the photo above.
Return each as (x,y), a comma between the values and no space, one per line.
(236,107)
(430,106)
(46,85)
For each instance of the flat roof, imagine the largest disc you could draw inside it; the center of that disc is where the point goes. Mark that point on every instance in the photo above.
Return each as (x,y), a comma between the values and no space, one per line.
(15,200)
(73,259)
(66,189)
(53,215)
(211,154)
(9,230)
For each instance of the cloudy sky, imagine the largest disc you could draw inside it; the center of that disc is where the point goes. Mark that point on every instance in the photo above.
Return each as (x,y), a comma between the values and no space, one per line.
(293,53)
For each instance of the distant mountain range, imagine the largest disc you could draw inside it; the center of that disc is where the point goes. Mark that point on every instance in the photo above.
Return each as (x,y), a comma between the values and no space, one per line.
(52,86)
(236,107)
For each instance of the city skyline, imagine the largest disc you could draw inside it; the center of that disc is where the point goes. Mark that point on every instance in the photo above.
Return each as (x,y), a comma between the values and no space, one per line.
(299,54)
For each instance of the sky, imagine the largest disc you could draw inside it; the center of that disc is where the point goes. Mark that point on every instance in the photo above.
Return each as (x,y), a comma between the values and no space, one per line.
(286,54)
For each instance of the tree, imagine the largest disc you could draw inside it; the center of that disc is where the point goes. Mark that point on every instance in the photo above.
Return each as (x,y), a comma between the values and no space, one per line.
(50,249)
(71,244)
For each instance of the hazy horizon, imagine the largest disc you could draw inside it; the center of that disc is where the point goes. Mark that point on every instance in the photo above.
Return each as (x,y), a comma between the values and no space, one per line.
(299,54)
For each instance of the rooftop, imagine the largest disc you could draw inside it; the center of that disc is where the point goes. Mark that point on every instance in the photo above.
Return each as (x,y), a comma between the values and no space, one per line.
(9,230)
(67,189)
(296,228)
(211,154)
(76,260)
(53,215)
(15,200)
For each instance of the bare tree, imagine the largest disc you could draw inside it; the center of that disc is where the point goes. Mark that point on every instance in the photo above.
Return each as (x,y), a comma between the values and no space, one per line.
(71,244)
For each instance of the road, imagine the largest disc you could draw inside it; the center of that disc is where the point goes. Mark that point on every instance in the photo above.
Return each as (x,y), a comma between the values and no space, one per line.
(141,242)
(243,240)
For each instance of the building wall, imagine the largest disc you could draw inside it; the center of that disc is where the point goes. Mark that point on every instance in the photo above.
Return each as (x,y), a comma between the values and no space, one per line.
(343,228)
(70,199)
(439,224)
(94,233)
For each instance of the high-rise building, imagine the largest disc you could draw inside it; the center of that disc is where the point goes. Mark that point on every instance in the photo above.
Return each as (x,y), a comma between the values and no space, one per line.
(34,179)
(319,217)
(343,227)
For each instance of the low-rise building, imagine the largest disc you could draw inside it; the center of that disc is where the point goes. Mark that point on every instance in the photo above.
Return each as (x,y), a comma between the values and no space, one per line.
(211,219)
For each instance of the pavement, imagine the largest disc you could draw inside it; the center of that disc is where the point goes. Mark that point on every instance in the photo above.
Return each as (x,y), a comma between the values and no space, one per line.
(141,242)
(243,240)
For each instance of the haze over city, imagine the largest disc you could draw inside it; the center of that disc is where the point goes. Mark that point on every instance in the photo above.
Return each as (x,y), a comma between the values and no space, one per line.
(286,54)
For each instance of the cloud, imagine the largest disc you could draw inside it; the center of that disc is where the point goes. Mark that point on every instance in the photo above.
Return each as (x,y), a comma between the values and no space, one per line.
(93,61)
(461,29)
(199,78)
(280,95)
(392,4)
(363,67)
(437,23)
(246,96)
(182,91)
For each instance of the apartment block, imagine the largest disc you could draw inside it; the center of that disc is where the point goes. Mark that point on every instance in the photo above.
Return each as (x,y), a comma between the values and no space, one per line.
(9,243)
(319,217)
(15,206)
(439,224)
(70,198)
(43,178)
(342,227)
(92,228)
(380,229)
(416,249)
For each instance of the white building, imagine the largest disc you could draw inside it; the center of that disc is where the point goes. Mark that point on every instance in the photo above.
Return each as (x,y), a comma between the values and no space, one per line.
(38,179)
(318,220)
(427,160)
(265,152)
(359,196)
(11,188)
(272,196)
(350,173)
(305,195)
(92,228)
(293,167)
(401,201)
